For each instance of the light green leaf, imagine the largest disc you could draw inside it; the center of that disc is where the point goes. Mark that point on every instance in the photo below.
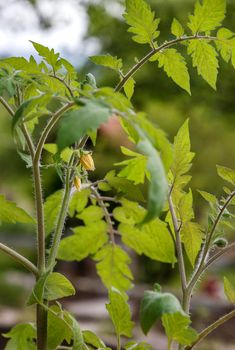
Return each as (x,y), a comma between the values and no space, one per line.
(154,305)
(38,290)
(152,240)
(158,187)
(229,290)
(226,44)
(119,312)
(78,341)
(204,58)
(107,61)
(175,67)
(91,214)
(10,213)
(135,168)
(91,339)
(129,212)
(113,267)
(186,212)
(192,237)
(124,187)
(85,241)
(58,327)
(207,16)
(208,197)
(52,207)
(78,201)
(22,337)
(182,158)
(142,21)
(176,28)
(129,88)
(226,174)
(50,56)
(57,286)
(177,328)
(78,122)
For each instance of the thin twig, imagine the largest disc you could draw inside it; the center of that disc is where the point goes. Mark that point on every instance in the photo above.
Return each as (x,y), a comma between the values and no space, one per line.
(64,83)
(211,328)
(178,245)
(106,213)
(19,258)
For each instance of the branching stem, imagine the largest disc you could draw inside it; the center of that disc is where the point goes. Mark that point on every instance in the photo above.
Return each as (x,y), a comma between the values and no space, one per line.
(164,46)
(19,258)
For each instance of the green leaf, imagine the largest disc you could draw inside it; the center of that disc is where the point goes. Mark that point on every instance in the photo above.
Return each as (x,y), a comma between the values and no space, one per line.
(58,327)
(186,212)
(207,16)
(52,207)
(90,338)
(132,345)
(226,174)
(107,61)
(142,21)
(152,240)
(22,337)
(78,201)
(129,212)
(91,214)
(31,108)
(78,341)
(192,237)
(154,305)
(87,240)
(158,187)
(129,88)
(155,134)
(78,122)
(120,314)
(38,290)
(49,55)
(135,168)
(10,213)
(204,58)
(113,267)
(229,290)
(175,67)
(177,29)
(208,197)
(57,286)
(177,328)
(182,158)
(124,187)
(226,44)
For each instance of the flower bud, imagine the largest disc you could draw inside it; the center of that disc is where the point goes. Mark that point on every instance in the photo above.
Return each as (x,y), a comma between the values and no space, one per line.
(77,183)
(87,162)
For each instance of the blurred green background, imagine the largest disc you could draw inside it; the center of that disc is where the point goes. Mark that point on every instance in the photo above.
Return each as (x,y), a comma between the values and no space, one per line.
(211,114)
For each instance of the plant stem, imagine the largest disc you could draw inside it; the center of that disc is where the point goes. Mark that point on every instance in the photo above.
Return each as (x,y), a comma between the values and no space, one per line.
(54,119)
(106,213)
(118,342)
(211,328)
(19,258)
(41,320)
(60,222)
(202,264)
(63,82)
(164,46)
(178,248)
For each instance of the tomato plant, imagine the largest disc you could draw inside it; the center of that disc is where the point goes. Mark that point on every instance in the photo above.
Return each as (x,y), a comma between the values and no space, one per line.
(42,96)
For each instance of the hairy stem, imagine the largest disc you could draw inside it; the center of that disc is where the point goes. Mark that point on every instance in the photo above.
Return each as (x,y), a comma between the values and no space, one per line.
(41,320)
(54,119)
(179,249)
(146,58)
(60,222)
(19,258)
(211,328)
